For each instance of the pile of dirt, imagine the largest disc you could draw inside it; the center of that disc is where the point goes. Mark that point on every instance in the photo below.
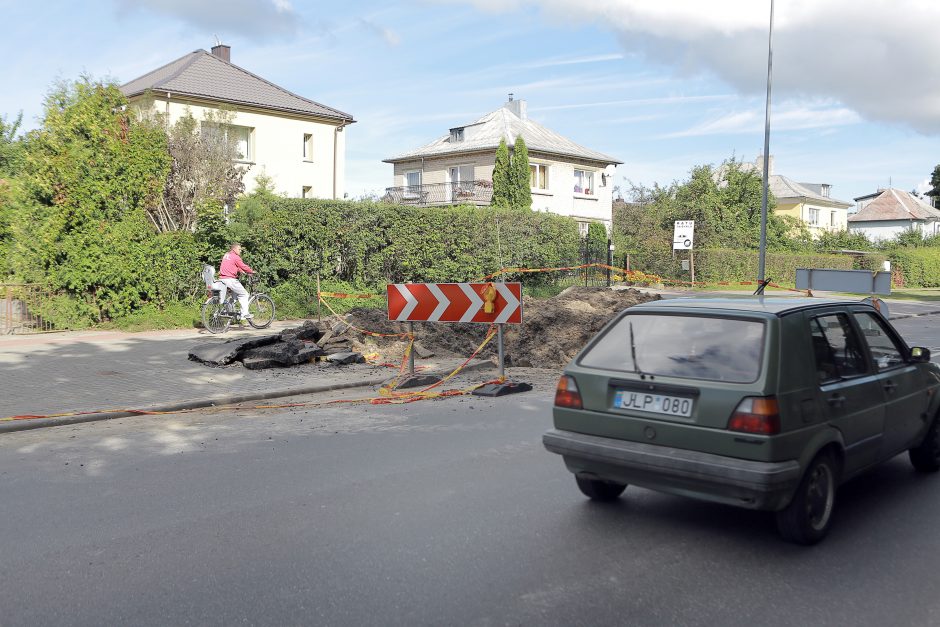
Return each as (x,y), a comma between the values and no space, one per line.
(553,329)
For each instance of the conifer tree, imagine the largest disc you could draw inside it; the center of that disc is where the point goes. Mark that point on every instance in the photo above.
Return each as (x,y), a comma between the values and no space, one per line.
(502,192)
(520,184)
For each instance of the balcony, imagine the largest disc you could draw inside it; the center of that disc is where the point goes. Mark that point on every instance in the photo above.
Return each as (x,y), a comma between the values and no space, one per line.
(462,193)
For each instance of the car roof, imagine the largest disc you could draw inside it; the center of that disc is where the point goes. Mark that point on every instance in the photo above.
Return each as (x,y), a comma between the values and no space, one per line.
(772,305)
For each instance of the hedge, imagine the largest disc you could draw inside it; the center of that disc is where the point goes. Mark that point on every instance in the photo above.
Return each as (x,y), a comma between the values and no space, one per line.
(919,267)
(370,244)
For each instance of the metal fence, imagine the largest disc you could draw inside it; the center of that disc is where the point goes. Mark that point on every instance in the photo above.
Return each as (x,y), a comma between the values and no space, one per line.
(19,309)
(458,193)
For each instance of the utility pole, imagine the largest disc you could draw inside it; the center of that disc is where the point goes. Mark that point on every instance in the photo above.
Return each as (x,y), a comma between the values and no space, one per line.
(763,203)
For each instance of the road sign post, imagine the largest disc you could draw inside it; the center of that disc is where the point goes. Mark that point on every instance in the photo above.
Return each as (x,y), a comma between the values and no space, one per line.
(483,303)
(683,238)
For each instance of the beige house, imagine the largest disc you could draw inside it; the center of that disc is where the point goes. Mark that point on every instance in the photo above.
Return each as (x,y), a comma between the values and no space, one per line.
(810,203)
(299,143)
(565,178)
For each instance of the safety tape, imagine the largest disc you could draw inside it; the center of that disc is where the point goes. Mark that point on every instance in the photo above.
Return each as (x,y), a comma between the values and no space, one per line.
(342,295)
(364,331)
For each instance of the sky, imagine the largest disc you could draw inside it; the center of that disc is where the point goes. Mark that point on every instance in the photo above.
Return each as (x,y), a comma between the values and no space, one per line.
(662,85)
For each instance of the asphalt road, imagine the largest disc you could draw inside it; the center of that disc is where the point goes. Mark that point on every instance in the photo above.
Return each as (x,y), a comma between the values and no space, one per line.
(445,512)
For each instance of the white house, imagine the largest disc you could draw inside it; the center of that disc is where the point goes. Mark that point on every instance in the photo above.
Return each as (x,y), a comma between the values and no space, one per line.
(299,143)
(565,177)
(888,213)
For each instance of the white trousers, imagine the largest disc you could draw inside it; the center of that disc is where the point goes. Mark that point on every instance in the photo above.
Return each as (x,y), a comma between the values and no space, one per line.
(240,292)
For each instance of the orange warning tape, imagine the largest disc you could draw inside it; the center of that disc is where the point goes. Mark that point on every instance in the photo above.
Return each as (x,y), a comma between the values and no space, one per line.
(342,295)
(364,331)
(629,273)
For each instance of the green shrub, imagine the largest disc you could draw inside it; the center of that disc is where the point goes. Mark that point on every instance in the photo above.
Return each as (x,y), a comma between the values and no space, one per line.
(920,267)
(370,244)
(742,265)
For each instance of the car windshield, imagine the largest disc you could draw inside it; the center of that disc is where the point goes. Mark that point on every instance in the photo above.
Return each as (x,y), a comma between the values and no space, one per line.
(695,347)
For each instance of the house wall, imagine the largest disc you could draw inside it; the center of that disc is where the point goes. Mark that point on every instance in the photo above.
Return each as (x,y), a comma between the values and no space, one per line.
(881,230)
(277,148)
(559,198)
(801,211)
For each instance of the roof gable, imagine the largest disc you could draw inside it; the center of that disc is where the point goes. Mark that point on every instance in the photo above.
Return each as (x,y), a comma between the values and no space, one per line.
(200,74)
(894,204)
(785,188)
(486,133)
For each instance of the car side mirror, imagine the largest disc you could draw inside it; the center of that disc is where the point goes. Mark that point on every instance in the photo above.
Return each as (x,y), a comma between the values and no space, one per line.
(920,354)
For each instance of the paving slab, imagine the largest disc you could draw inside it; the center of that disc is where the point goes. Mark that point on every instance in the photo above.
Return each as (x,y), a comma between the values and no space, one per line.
(106,371)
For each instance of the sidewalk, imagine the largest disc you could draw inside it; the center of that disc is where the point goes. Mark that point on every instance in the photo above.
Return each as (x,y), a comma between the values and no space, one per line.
(103,371)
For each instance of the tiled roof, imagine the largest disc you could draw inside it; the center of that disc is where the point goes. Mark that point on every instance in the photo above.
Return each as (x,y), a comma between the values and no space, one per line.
(203,75)
(485,134)
(784,188)
(894,204)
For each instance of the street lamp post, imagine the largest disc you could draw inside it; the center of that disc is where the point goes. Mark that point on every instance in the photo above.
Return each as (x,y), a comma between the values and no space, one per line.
(763,204)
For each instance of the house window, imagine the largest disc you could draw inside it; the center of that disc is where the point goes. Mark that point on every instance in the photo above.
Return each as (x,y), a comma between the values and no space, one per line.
(583,228)
(584,182)
(456,134)
(243,147)
(832,218)
(412,183)
(812,216)
(240,136)
(306,191)
(308,147)
(538,176)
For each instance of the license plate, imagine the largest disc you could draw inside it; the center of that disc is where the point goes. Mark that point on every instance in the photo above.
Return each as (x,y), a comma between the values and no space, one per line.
(656,403)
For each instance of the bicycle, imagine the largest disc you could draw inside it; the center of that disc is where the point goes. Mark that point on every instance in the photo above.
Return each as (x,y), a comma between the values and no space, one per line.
(218,315)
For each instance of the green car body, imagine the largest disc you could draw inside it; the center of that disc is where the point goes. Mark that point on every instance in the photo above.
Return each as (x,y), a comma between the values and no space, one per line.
(820,391)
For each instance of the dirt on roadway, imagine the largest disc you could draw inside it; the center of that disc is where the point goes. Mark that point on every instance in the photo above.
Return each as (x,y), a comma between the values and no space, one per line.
(553,330)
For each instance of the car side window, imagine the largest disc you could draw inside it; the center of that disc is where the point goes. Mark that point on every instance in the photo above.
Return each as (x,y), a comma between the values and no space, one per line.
(836,348)
(885,351)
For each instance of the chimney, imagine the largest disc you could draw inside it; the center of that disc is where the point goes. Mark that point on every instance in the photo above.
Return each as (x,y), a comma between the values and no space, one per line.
(759,162)
(518,107)
(223,52)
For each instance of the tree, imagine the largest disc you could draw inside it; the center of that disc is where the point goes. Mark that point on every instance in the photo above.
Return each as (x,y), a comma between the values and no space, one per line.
(502,177)
(90,173)
(202,173)
(520,177)
(934,186)
(11,147)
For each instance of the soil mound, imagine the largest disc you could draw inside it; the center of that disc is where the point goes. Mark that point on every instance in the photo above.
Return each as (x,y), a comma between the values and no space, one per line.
(553,330)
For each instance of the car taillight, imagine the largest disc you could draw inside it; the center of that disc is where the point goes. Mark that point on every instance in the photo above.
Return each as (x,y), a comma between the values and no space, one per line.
(756,415)
(567,394)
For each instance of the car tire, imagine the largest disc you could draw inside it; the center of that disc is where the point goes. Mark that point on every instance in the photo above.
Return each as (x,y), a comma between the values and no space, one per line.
(926,456)
(598,490)
(807,518)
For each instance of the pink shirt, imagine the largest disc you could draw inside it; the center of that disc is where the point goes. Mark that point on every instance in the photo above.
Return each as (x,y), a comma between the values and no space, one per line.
(231,264)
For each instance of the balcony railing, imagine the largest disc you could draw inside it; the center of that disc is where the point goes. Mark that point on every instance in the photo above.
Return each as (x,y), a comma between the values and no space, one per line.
(464,192)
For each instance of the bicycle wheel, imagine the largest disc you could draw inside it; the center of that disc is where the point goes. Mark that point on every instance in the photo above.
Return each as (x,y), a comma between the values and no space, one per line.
(213,318)
(261,308)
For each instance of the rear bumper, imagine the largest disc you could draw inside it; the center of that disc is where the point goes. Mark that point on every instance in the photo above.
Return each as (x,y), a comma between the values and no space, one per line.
(744,483)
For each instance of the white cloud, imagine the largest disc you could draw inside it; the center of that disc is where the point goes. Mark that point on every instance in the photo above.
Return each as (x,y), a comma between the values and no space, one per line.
(880,58)
(790,117)
(253,19)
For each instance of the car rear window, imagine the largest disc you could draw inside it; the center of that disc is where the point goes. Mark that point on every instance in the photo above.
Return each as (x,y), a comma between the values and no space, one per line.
(693,347)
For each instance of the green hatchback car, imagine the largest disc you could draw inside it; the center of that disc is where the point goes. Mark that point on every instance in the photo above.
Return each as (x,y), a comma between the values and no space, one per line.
(763,403)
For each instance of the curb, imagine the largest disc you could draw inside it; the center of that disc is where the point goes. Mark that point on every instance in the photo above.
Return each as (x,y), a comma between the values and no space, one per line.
(40,423)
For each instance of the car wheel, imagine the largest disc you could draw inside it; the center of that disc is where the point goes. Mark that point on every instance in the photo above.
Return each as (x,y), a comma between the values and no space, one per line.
(807,518)
(926,456)
(598,490)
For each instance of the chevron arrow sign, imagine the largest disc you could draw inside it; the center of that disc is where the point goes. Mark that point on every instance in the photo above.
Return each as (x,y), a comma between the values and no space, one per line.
(455,302)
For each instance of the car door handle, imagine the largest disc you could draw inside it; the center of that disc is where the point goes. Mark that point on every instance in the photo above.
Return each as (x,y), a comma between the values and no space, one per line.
(890,387)
(836,400)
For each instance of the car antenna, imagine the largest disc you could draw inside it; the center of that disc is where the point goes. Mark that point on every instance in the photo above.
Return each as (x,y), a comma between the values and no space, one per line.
(760,287)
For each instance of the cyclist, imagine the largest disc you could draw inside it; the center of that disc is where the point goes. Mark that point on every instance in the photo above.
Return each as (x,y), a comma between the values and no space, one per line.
(231,265)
